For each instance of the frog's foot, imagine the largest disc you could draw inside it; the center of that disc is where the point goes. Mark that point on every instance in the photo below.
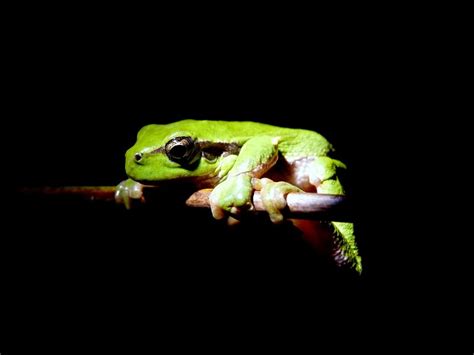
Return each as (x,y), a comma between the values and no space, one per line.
(127,191)
(273,195)
(233,205)
(233,196)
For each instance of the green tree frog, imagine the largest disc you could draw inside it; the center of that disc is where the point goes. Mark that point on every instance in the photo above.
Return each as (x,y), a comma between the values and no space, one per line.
(235,159)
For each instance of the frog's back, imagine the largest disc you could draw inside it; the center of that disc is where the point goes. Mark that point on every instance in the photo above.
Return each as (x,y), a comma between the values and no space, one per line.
(291,141)
(226,130)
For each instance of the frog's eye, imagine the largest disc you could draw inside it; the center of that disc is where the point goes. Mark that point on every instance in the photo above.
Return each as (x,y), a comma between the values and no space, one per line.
(182,150)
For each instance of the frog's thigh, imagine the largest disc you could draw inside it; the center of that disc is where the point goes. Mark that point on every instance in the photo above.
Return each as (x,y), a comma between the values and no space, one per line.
(322,174)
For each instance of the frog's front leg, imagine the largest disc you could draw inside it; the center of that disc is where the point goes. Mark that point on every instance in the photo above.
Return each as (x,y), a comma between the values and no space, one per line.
(234,193)
(323,175)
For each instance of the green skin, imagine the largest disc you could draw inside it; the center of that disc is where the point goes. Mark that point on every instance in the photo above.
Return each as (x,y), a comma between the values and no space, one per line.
(235,159)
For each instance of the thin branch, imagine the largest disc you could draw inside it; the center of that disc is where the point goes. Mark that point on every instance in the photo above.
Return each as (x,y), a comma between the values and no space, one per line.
(299,205)
(100,193)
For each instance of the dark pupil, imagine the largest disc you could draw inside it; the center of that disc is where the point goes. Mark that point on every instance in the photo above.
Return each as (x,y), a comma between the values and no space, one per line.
(178,151)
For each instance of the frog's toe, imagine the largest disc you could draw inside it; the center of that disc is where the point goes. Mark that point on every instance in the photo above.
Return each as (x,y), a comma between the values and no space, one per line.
(232,222)
(274,201)
(220,210)
(275,216)
(217,210)
(127,191)
(122,195)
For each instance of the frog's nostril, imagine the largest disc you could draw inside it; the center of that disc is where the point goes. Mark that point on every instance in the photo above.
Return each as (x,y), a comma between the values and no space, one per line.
(138,156)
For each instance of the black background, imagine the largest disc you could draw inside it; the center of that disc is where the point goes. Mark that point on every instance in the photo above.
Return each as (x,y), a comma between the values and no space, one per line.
(110,268)
(98,273)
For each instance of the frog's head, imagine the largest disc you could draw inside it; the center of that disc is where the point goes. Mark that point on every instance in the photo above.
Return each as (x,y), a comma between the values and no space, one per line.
(164,153)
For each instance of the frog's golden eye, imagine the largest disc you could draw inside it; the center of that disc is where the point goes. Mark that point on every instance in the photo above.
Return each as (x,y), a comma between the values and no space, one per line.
(182,150)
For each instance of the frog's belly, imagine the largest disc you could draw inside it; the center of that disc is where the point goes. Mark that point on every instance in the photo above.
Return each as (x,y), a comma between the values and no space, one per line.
(295,172)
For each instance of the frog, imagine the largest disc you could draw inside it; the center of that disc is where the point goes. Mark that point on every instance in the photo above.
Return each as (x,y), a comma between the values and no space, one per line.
(235,159)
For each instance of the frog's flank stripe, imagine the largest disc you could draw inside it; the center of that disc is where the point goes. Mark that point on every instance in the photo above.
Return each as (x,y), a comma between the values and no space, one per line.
(218,148)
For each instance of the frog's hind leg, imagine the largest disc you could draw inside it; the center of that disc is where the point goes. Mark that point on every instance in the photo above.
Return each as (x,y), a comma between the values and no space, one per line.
(323,175)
